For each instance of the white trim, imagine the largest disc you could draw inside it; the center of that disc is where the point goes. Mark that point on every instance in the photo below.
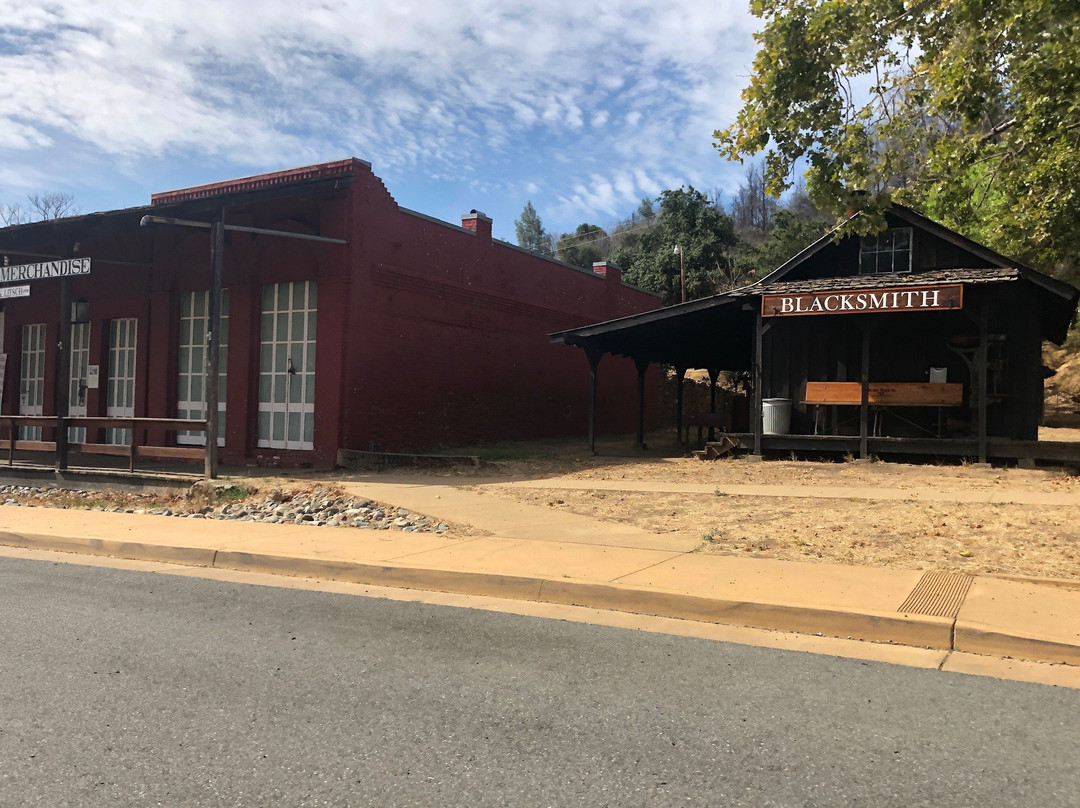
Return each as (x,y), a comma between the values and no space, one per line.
(287,324)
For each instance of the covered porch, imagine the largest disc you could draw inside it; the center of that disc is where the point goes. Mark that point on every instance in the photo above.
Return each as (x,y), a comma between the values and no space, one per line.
(935,365)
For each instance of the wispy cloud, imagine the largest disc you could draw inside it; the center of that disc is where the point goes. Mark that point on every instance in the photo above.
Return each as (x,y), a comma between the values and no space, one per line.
(630,91)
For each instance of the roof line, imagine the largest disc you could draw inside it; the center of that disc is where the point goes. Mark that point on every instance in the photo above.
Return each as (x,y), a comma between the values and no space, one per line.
(645,317)
(1047,282)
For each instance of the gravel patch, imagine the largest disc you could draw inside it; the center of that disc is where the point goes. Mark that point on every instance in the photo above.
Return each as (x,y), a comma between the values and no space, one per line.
(318,508)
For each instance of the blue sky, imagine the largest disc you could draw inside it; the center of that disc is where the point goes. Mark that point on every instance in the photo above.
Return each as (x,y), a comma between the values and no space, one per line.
(581,107)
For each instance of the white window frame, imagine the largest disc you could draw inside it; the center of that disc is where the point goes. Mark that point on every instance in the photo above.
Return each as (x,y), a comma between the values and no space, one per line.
(288,325)
(881,251)
(120,387)
(191,367)
(32,377)
(80,363)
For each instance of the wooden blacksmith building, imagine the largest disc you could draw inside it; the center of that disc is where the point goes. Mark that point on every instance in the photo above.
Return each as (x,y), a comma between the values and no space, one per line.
(913,341)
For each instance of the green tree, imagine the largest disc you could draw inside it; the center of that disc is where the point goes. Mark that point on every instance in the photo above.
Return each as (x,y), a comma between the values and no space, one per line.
(689,221)
(585,246)
(789,233)
(531,233)
(967,109)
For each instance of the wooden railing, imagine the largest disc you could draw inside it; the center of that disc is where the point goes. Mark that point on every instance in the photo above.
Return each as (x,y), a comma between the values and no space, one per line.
(132,450)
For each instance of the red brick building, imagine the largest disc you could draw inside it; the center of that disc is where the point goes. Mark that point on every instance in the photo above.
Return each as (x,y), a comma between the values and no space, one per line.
(395,331)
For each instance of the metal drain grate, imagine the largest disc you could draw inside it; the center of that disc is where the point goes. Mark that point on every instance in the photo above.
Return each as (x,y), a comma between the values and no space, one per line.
(938,594)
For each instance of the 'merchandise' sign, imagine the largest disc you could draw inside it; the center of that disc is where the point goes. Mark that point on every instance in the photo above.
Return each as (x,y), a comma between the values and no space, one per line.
(64,268)
(865,301)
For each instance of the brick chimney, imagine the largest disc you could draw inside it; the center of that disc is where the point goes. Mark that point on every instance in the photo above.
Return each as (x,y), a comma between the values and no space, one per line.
(478,223)
(606,269)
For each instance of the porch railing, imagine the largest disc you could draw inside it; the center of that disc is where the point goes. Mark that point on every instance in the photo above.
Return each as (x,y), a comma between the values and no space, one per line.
(131,450)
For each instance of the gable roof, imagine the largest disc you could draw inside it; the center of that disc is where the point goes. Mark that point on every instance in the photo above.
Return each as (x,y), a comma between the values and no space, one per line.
(662,334)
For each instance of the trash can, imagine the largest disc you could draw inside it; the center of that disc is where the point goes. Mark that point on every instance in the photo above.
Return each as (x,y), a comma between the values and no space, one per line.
(776,416)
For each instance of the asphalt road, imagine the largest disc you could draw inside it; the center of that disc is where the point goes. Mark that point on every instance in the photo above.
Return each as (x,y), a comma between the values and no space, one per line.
(126,688)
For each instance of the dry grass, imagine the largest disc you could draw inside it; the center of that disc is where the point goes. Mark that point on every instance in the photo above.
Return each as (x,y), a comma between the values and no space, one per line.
(1010,539)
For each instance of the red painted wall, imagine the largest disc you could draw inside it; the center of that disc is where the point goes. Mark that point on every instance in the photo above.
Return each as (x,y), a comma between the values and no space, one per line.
(429,335)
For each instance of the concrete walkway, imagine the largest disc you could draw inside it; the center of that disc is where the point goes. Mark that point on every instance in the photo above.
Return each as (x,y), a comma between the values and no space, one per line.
(536,554)
(1004,496)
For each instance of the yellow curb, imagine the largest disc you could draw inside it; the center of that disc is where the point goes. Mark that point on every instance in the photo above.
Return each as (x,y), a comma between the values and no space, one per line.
(196,556)
(928,632)
(973,638)
(469,583)
(886,627)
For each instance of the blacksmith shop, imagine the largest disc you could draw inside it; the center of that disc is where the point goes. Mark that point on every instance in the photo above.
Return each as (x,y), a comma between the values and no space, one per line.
(306,311)
(914,341)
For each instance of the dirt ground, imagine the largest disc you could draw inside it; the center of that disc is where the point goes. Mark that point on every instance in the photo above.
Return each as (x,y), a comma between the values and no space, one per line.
(1009,539)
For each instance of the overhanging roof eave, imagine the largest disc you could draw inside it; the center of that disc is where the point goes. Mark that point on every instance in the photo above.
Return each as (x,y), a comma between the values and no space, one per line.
(644,318)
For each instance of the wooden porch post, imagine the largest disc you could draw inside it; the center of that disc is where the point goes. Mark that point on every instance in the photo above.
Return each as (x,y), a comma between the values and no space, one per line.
(213,340)
(680,374)
(714,373)
(62,393)
(642,366)
(864,406)
(594,356)
(982,364)
(758,425)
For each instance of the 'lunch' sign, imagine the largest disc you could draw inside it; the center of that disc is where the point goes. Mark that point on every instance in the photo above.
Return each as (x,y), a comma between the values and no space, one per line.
(865,301)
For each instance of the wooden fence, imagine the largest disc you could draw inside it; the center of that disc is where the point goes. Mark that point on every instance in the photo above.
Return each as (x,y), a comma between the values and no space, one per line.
(132,450)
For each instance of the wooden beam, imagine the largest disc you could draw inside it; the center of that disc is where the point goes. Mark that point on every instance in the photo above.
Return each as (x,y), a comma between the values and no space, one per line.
(714,374)
(681,377)
(62,392)
(758,339)
(864,380)
(982,365)
(594,355)
(213,340)
(642,366)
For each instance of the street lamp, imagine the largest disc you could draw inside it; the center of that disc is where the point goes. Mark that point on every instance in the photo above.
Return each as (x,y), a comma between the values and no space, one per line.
(682,270)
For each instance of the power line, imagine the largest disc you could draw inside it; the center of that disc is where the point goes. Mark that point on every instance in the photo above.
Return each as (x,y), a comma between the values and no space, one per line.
(597,235)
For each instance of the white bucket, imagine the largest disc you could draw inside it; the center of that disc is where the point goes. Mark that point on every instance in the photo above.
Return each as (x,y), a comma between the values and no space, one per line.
(776,416)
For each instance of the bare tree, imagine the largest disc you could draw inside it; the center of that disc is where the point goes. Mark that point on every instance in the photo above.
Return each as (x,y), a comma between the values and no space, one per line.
(54,205)
(751,207)
(14,214)
(39,207)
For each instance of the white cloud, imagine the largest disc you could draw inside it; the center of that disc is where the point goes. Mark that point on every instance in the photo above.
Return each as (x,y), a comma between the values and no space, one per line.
(412,85)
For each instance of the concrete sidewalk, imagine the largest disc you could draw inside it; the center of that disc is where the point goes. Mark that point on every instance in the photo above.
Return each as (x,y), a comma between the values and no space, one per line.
(534,554)
(1004,496)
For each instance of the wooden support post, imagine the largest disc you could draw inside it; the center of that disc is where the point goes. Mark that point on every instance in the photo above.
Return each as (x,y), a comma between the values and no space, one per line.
(983,370)
(714,374)
(758,424)
(131,446)
(864,406)
(61,391)
(213,341)
(593,355)
(680,374)
(642,366)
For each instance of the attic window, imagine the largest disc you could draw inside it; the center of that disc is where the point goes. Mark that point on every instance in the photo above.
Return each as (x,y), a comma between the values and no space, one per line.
(886,252)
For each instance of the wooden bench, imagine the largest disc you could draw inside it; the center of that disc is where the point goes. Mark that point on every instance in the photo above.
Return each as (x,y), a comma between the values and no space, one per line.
(884,394)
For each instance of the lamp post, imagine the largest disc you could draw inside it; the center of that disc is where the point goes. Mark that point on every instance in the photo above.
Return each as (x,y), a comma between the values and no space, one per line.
(682,270)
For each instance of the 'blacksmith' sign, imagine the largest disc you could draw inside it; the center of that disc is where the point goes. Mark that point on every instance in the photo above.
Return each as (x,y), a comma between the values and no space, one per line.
(865,301)
(63,268)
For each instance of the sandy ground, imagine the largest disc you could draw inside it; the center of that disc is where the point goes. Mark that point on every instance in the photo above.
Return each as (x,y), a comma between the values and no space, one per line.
(1003,539)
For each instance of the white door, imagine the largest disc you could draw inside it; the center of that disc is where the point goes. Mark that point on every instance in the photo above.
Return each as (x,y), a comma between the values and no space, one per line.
(32,378)
(191,394)
(120,388)
(287,366)
(80,361)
